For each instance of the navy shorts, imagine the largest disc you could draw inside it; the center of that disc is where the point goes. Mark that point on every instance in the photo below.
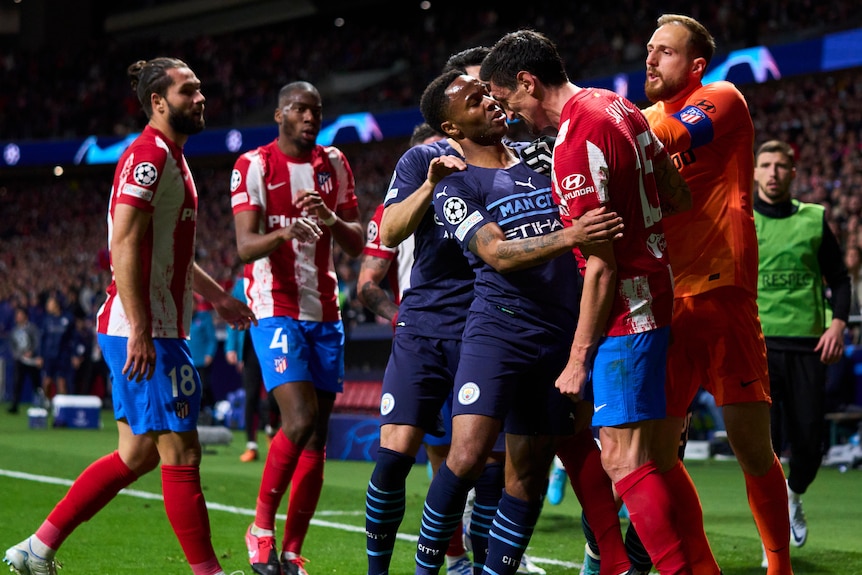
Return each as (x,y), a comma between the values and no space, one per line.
(508,371)
(418,380)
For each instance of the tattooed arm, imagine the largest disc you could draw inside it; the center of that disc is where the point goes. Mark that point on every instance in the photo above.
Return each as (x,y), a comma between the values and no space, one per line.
(595,227)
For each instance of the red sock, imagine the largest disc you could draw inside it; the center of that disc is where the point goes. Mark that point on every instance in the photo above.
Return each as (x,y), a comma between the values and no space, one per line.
(583,462)
(97,485)
(187,512)
(689,520)
(767,497)
(456,543)
(277,473)
(651,506)
(304,495)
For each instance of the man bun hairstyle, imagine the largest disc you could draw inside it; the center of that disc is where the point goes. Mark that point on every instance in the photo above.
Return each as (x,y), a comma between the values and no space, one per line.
(150,77)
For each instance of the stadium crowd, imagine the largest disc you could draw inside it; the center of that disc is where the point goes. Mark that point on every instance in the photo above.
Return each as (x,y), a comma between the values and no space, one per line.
(47,93)
(53,230)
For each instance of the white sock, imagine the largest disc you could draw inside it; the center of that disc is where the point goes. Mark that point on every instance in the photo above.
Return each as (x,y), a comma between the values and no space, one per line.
(40,549)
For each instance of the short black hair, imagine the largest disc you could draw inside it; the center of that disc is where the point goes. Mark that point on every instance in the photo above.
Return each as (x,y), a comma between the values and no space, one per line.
(298,86)
(469,57)
(421,133)
(525,50)
(434,103)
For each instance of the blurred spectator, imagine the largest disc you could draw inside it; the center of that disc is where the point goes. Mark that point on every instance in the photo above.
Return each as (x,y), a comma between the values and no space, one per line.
(203,345)
(365,64)
(56,347)
(24,340)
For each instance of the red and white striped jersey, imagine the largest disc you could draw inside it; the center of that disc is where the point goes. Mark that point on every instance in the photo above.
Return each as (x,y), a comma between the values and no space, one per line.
(298,279)
(152,175)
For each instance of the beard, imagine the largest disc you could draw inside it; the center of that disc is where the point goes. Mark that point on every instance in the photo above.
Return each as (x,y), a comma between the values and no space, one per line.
(663,89)
(188,123)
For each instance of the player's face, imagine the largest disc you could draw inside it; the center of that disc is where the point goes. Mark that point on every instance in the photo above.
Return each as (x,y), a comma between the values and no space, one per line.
(520,105)
(667,63)
(773,174)
(299,117)
(185,102)
(474,111)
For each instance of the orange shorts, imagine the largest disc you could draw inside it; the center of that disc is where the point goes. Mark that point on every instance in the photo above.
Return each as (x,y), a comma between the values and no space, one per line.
(716,343)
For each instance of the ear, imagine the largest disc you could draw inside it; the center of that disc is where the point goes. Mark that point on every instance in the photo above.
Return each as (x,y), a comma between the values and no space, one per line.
(157,103)
(277,115)
(527,81)
(698,67)
(452,130)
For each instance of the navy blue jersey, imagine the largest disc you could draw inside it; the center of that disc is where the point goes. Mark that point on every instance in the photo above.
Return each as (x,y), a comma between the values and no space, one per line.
(519,200)
(441,281)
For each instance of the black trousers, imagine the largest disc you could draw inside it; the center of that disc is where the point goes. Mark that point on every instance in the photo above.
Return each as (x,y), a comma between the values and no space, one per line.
(798,386)
(21,372)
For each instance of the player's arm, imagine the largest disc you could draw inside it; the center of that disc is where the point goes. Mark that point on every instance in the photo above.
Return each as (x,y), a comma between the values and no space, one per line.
(831,260)
(674,193)
(252,245)
(596,301)
(130,226)
(597,226)
(372,270)
(672,133)
(232,310)
(343,224)
(401,219)
(348,232)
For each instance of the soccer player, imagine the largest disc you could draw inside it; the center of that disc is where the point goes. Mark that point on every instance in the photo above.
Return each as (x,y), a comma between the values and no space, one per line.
(376,265)
(798,255)
(293,198)
(605,154)
(428,332)
(718,341)
(518,328)
(143,326)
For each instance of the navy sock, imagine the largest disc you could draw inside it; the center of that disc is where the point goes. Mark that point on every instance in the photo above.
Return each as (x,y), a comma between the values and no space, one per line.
(590,536)
(444,507)
(489,489)
(384,507)
(636,552)
(510,534)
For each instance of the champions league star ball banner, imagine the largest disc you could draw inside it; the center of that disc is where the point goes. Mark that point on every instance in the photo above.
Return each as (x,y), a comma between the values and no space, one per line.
(760,64)
(750,65)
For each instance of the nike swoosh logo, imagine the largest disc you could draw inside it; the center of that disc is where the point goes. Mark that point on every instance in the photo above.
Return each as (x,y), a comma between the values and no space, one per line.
(274,186)
(747,383)
(599,407)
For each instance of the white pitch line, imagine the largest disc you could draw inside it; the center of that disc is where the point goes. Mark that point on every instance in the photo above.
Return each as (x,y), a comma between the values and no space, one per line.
(250,512)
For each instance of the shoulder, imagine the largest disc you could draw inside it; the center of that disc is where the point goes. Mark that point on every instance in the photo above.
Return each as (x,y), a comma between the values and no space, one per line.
(333,154)
(718,95)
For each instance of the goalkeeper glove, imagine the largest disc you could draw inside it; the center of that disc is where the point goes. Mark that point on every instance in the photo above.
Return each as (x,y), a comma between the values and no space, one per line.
(537,155)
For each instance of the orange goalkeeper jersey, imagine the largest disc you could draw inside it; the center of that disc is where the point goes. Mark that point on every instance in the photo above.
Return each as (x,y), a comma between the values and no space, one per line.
(710,136)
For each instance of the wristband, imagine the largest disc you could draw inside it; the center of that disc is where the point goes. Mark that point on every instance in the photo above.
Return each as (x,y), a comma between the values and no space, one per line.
(330,220)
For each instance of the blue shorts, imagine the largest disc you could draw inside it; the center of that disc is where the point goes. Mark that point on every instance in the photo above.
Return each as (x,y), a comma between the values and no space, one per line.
(628,378)
(508,370)
(294,350)
(417,382)
(170,400)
